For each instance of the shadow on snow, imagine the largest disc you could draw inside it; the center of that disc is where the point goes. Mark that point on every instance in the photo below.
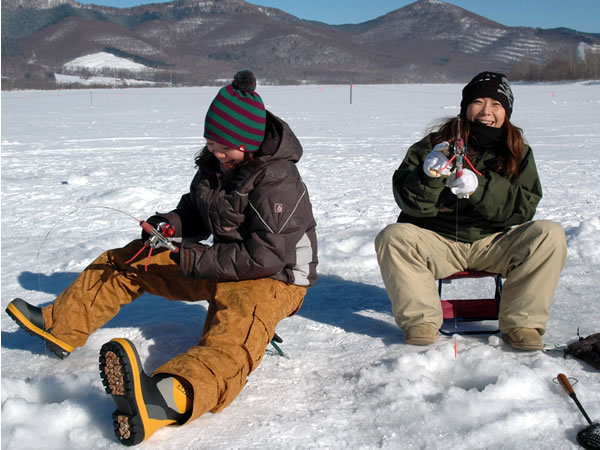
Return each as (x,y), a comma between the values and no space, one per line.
(334,301)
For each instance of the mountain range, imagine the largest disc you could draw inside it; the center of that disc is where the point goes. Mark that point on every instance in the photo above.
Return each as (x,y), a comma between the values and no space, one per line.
(195,42)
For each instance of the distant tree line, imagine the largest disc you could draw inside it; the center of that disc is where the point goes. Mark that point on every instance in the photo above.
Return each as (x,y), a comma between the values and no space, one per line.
(561,68)
(566,67)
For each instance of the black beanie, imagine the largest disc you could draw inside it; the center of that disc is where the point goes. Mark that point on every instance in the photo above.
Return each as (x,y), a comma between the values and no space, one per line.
(487,84)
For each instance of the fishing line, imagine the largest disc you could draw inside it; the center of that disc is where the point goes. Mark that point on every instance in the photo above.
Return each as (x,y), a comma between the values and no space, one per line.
(37,257)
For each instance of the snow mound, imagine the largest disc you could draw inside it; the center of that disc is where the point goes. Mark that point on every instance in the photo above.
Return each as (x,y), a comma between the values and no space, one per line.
(584,240)
(103,60)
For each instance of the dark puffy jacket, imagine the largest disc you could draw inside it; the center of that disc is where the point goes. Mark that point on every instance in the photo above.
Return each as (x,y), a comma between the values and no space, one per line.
(259,215)
(497,204)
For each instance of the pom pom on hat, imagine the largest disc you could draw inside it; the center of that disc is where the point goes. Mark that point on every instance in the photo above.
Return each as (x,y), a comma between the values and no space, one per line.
(237,117)
(244,81)
(488,84)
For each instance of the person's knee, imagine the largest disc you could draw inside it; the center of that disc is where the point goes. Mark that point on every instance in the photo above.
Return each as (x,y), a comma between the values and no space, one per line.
(121,257)
(549,238)
(552,233)
(397,233)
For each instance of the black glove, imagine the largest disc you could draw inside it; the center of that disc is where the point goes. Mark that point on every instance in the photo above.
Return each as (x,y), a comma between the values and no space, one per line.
(155,221)
(587,349)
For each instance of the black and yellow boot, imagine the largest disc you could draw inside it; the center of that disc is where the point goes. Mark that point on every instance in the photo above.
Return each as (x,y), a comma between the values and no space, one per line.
(144,403)
(30,318)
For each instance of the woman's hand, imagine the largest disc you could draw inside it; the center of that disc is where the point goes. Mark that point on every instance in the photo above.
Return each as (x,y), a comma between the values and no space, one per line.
(463,186)
(436,164)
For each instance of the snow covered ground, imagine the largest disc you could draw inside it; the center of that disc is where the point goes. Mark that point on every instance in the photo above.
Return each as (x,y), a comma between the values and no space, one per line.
(347,380)
(62,79)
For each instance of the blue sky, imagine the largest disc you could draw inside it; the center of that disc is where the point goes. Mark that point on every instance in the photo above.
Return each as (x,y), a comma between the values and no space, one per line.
(581,15)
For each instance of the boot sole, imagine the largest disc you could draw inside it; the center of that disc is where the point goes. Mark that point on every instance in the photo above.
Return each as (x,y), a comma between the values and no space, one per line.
(123,378)
(56,346)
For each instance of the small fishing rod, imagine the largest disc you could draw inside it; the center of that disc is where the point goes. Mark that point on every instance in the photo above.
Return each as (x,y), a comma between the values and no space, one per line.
(588,437)
(160,236)
(459,153)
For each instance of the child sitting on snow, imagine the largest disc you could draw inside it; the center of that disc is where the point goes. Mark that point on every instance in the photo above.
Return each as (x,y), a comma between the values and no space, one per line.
(248,194)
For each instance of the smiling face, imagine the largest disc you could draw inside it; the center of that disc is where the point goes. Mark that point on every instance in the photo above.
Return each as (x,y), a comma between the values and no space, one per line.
(228,157)
(487,111)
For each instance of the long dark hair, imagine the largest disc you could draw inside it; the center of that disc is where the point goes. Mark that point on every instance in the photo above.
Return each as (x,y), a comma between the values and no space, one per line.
(509,157)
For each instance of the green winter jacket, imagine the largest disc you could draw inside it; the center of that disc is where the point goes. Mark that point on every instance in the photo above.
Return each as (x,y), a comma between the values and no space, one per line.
(497,204)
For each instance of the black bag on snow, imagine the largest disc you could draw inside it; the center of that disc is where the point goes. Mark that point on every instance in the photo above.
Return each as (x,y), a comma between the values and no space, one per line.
(587,349)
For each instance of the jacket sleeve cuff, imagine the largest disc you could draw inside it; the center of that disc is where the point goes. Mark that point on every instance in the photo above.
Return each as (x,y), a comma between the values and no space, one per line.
(190,253)
(476,197)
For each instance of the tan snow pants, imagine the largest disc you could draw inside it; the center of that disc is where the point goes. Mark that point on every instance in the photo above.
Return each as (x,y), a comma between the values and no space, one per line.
(240,322)
(530,257)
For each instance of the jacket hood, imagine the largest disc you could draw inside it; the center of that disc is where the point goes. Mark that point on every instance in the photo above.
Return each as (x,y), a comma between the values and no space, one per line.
(280,142)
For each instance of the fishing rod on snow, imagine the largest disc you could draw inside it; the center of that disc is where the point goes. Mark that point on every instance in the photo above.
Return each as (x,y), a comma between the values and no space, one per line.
(589,437)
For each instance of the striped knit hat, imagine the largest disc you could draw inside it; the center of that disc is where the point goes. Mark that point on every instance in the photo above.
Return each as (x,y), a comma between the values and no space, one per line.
(236,117)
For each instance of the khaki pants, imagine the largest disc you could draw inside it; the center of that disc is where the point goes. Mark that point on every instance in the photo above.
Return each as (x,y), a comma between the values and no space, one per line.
(530,257)
(240,322)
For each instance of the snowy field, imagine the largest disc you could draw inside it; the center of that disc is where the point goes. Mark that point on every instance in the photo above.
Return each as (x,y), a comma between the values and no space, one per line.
(347,380)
